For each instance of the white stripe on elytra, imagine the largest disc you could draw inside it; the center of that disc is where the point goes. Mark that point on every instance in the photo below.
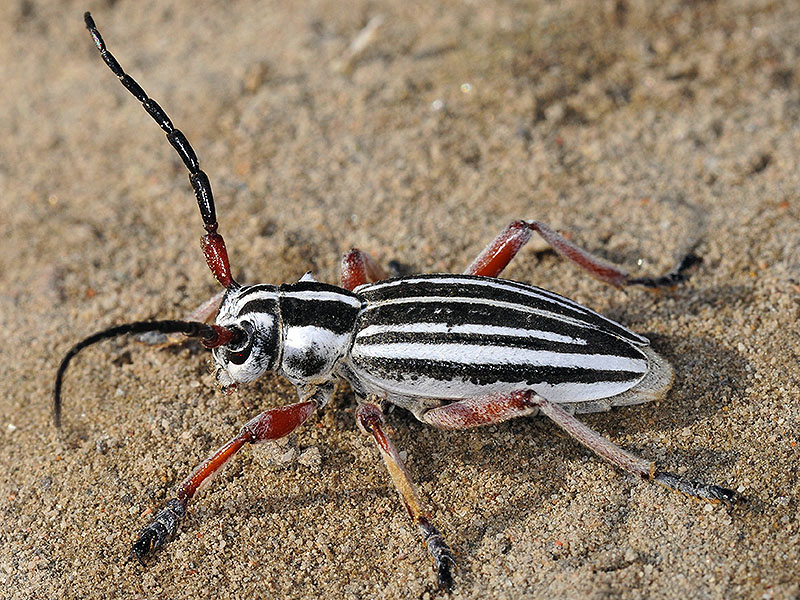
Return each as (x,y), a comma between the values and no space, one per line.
(487,301)
(500,284)
(469,354)
(469,329)
(492,283)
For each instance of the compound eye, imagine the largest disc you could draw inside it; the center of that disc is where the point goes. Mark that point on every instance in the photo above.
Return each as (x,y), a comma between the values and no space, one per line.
(242,338)
(240,347)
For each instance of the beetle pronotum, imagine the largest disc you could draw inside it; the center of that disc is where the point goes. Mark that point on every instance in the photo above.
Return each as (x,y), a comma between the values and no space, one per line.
(458,351)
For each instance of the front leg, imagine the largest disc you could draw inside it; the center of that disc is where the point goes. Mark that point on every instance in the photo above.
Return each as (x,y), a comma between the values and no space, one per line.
(269,425)
(370,420)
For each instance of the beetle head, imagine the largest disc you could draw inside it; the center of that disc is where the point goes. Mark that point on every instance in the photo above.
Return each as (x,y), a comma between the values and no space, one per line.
(253,312)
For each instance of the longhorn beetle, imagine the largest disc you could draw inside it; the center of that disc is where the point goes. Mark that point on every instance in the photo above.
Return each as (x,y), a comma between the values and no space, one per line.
(457,351)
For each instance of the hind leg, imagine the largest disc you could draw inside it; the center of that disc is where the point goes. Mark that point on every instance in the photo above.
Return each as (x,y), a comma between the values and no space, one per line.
(496,256)
(487,410)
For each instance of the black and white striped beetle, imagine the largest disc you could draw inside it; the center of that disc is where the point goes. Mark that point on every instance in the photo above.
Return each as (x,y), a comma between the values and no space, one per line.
(458,351)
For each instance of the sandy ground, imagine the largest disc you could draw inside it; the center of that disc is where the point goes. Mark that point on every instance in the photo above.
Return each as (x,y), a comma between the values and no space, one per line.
(642,128)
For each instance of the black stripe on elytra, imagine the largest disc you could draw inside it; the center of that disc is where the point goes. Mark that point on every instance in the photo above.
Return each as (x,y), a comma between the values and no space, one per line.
(397,369)
(598,343)
(462,313)
(511,292)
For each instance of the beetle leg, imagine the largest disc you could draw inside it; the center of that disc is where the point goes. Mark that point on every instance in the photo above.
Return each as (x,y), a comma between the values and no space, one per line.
(202,313)
(485,410)
(269,425)
(629,462)
(370,420)
(501,250)
(359,268)
(496,256)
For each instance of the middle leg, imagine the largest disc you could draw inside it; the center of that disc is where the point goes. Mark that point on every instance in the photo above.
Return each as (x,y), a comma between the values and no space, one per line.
(370,419)
(359,268)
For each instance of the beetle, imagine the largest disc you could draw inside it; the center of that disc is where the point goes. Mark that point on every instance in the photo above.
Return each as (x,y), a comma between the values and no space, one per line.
(456,350)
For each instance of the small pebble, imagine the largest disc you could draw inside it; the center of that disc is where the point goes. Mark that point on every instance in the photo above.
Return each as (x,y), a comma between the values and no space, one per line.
(310,457)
